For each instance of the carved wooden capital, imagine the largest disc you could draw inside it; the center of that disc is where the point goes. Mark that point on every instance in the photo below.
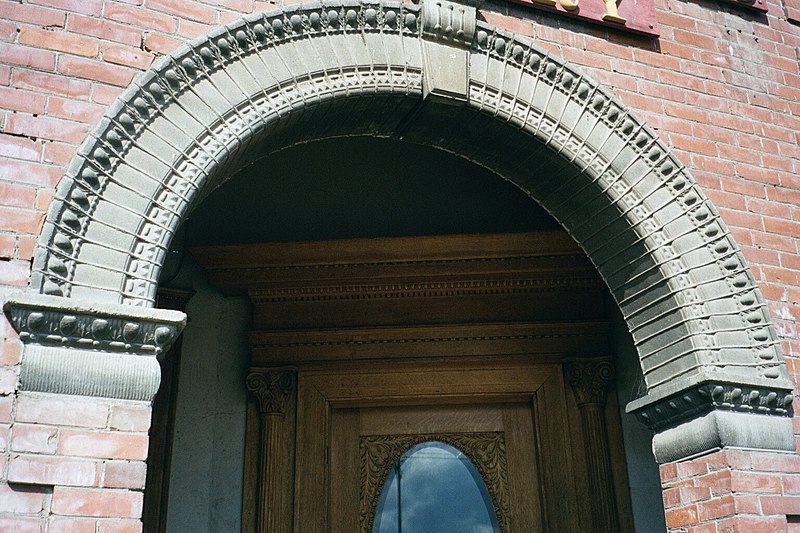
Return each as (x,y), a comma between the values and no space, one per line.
(590,380)
(271,389)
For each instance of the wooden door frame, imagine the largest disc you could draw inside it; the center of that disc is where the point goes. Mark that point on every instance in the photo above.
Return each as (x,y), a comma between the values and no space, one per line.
(440,300)
(324,388)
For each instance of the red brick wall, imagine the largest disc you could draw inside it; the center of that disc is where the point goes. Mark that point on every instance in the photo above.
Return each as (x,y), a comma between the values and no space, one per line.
(720,85)
(732,491)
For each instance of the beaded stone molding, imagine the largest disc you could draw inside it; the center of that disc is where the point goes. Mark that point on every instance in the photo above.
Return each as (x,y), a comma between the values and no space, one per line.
(46,322)
(709,396)
(347,67)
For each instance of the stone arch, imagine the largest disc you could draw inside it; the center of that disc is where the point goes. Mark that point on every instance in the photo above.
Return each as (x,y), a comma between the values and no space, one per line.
(708,351)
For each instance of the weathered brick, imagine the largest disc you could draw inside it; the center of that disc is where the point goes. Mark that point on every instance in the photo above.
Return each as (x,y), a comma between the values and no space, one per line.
(105,94)
(45,128)
(27,56)
(19,100)
(20,221)
(32,14)
(8,31)
(119,526)
(130,417)
(96,71)
(58,524)
(127,56)
(185,9)
(21,525)
(143,18)
(62,410)
(17,195)
(682,516)
(27,171)
(160,44)
(19,148)
(34,438)
(25,246)
(51,84)
(59,41)
(105,29)
(777,505)
(124,474)
(716,508)
(87,7)
(52,470)
(108,503)
(75,110)
(21,500)
(103,444)
(58,153)
(8,244)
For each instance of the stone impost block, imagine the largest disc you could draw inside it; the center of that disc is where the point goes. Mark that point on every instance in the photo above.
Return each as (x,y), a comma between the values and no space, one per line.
(720,429)
(708,412)
(102,350)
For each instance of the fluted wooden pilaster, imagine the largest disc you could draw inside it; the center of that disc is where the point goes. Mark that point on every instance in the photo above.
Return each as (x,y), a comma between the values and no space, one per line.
(590,381)
(274,391)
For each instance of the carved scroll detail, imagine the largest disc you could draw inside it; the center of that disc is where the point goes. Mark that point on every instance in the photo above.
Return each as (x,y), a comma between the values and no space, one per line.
(271,389)
(486,451)
(590,381)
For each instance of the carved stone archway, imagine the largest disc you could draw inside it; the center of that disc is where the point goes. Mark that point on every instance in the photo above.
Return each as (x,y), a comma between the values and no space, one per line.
(430,74)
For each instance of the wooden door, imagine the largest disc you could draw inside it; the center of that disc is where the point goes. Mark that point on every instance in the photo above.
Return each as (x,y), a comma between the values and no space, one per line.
(462,334)
(354,423)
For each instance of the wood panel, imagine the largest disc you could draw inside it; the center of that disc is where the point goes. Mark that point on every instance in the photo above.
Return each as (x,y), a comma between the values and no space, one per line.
(434,399)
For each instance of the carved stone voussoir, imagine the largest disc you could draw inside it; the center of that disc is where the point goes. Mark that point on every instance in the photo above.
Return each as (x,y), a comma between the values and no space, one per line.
(271,389)
(711,396)
(65,323)
(453,22)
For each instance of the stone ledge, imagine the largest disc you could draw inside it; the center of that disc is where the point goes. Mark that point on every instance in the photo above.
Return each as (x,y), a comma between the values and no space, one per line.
(56,321)
(703,394)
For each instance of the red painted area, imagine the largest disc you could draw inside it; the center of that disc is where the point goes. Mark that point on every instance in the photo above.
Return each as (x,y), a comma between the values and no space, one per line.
(639,15)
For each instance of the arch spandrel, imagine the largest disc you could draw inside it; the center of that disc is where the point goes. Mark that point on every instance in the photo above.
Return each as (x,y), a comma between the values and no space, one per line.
(313,71)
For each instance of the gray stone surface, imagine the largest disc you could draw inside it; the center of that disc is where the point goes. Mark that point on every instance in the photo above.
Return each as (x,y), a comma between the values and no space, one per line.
(208,449)
(719,429)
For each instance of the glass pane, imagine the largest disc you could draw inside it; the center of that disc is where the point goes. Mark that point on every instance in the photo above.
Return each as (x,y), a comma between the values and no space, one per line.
(434,488)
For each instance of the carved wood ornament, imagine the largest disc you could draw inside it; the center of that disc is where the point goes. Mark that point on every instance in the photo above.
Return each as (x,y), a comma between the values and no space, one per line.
(271,390)
(487,451)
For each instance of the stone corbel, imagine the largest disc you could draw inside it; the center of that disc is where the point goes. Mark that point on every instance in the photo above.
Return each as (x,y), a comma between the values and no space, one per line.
(448,29)
(709,412)
(84,349)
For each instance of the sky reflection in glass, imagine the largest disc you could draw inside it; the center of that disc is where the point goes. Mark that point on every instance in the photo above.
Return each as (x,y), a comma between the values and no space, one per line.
(434,488)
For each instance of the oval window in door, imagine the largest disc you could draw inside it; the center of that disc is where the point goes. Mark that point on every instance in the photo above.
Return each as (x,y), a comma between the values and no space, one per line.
(434,488)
